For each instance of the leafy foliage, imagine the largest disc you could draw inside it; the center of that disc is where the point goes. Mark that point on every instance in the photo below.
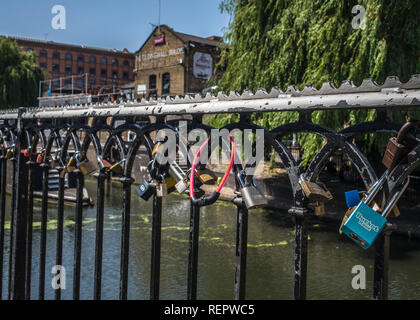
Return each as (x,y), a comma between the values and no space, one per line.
(19,76)
(284,42)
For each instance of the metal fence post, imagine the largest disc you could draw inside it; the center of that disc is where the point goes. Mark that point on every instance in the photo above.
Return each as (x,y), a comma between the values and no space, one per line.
(156,247)
(301,253)
(18,262)
(241,252)
(380,275)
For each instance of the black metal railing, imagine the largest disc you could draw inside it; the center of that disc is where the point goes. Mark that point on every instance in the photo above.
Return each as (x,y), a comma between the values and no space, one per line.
(55,136)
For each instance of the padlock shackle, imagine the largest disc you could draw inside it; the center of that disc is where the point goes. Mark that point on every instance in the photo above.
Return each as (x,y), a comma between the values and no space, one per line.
(395,198)
(405,129)
(378,185)
(215,195)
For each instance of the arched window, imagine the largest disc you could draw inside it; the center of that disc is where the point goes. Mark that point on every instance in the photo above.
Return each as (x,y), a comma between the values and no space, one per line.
(69,57)
(104,60)
(166,83)
(126,63)
(56,55)
(152,84)
(81,58)
(43,54)
(114,62)
(92,59)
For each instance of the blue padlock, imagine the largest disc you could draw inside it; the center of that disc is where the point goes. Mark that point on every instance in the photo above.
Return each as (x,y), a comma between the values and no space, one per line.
(364,224)
(352,198)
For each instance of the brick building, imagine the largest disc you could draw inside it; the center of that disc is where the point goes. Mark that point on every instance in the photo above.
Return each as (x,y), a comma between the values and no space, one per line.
(104,67)
(174,63)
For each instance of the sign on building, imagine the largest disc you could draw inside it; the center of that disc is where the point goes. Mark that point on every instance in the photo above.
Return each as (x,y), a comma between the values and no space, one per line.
(141,89)
(203,65)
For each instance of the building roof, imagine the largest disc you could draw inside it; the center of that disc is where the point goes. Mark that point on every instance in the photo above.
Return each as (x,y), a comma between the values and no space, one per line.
(191,38)
(70,46)
(213,41)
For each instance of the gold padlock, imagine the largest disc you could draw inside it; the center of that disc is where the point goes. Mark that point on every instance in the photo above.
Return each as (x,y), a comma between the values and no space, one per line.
(206,176)
(71,164)
(117,167)
(86,167)
(157,148)
(315,192)
(319,209)
(9,153)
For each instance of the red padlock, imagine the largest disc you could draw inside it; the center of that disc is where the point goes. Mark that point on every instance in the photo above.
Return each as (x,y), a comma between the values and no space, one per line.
(25,153)
(39,158)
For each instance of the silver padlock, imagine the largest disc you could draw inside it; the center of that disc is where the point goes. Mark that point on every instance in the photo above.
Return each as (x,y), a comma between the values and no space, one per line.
(161,190)
(252,196)
(179,176)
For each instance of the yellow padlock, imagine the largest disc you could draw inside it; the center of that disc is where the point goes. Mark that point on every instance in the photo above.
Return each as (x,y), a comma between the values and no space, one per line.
(9,153)
(206,176)
(314,192)
(319,209)
(71,164)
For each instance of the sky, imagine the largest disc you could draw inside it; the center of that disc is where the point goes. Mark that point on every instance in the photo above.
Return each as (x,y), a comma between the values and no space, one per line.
(110,24)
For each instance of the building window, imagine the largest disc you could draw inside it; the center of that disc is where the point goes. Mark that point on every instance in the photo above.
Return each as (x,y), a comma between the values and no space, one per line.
(79,83)
(104,60)
(126,63)
(92,59)
(114,62)
(68,81)
(114,74)
(125,75)
(29,50)
(68,70)
(152,84)
(80,70)
(81,58)
(43,54)
(56,83)
(92,72)
(56,68)
(68,57)
(56,55)
(43,65)
(166,80)
(92,83)
(103,73)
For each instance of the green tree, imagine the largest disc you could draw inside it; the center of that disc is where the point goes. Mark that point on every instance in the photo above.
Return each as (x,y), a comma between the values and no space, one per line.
(19,76)
(284,42)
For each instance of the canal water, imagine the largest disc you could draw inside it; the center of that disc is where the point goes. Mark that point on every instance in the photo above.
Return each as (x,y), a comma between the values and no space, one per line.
(331,257)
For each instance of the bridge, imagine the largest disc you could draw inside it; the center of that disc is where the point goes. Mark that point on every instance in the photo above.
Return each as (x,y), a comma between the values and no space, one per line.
(44,137)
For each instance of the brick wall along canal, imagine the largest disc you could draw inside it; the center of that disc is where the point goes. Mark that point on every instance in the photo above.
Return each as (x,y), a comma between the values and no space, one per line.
(270,253)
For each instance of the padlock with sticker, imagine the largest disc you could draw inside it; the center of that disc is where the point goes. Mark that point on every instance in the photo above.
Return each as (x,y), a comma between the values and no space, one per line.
(364,223)
(145,190)
(251,194)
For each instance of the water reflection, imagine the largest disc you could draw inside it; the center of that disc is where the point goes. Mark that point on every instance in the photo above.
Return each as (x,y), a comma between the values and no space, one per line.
(270,254)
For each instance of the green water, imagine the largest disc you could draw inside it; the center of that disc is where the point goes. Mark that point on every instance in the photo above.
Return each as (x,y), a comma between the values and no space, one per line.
(270,254)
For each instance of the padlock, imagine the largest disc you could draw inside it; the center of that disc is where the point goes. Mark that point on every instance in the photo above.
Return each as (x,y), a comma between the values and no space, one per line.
(117,167)
(397,148)
(251,194)
(145,190)
(180,177)
(86,167)
(206,176)
(319,209)
(364,224)
(40,157)
(71,164)
(9,153)
(317,192)
(161,189)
